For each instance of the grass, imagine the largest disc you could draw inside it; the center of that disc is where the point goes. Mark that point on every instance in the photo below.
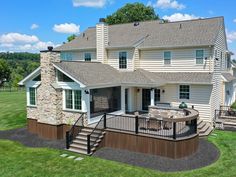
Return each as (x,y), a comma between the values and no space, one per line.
(12,110)
(18,160)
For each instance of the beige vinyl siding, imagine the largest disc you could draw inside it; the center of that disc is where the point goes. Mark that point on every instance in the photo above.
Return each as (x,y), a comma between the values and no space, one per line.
(220,46)
(113,59)
(79,55)
(183,60)
(200,96)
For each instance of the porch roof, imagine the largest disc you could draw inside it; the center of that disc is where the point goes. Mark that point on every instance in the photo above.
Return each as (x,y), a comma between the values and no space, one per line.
(228,77)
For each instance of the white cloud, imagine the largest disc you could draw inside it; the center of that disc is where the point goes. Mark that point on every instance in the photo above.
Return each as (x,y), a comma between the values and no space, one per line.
(234,20)
(68,28)
(18,38)
(167,4)
(180,17)
(22,42)
(34,26)
(231,36)
(89,3)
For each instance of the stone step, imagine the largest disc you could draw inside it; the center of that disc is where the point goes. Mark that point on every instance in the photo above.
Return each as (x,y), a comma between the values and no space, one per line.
(84,142)
(79,147)
(230,123)
(204,128)
(201,125)
(207,132)
(78,151)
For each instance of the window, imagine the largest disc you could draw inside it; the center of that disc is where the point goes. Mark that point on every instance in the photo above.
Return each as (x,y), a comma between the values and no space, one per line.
(123,60)
(38,78)
(66,56)
(73,99)
(32,96)
(167,58)
(184,92)
(87,57)
(199,56)
(62,77)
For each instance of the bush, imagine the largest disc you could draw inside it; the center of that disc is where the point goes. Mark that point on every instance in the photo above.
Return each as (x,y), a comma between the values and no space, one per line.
(233,106)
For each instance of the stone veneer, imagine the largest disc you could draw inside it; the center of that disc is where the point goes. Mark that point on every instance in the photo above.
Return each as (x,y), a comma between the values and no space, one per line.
(49,109)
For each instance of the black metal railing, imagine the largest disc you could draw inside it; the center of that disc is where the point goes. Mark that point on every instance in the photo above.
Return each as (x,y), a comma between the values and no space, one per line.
(163,127)
(225,114)
(75,129)
(99,126)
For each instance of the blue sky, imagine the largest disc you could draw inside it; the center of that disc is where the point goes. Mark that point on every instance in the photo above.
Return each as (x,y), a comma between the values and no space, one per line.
(31,25)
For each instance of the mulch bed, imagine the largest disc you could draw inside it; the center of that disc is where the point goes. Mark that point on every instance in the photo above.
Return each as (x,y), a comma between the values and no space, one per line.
(207,154)
(28,139)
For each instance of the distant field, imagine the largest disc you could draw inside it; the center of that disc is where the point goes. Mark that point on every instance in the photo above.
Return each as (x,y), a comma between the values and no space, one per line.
(12,110)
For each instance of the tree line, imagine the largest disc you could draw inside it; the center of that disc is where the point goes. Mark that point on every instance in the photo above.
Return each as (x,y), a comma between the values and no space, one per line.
(15,66)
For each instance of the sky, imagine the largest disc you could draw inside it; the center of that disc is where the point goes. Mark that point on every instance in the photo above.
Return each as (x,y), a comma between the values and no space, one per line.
(32,25)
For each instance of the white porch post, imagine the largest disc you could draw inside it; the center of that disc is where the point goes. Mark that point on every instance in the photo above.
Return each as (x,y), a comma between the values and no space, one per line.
(123,99)
(152,97)
(86,103)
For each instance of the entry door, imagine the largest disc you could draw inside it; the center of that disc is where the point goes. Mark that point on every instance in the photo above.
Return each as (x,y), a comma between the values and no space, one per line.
(146,98)
(157,96)
(126,99)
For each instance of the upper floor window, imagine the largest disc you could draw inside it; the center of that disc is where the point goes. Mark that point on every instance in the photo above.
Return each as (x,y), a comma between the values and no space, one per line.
(123,60)
(66,56)
(199,56)
(87,57)
(167,57)
(32,96)
(62,77)
(184,92)
(73,99)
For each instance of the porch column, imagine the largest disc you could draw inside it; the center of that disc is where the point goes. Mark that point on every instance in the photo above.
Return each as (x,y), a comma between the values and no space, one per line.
(123,99)
(152,97)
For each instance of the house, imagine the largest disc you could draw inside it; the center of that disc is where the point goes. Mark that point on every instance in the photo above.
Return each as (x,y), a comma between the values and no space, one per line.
(131,67)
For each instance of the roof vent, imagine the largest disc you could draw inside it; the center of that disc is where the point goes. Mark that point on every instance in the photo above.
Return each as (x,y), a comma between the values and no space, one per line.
(180,26)
(50,48)
(136,23)
(102,20)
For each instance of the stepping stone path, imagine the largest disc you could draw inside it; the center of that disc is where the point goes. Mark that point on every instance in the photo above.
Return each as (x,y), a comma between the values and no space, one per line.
(64,155)
(79,158)
(72,157)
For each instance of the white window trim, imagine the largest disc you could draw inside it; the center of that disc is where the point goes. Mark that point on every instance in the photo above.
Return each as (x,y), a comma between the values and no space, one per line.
(196,57)
(28,97)
(164,58)
(189,92)
(73,104)
(126,60)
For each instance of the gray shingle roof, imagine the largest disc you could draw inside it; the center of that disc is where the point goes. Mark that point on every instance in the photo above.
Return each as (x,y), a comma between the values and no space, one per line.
(98,74)
(228,76)
(90,73)
(199,32)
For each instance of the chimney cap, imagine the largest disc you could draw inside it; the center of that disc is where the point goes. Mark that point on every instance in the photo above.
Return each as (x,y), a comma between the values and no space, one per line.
(102,20)
(50,48)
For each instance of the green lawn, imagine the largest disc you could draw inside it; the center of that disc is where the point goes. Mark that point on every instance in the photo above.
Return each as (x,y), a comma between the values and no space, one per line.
(18,160)
(12,110)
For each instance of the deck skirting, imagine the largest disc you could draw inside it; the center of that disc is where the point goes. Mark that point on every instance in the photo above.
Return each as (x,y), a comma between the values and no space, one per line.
(150,145)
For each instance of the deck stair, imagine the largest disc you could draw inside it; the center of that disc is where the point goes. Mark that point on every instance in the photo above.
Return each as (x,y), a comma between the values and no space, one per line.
(204,128)
(79,144)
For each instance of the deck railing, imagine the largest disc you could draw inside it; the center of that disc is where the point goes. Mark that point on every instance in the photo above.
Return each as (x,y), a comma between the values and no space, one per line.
(75,129)
(225,112)
(156,126)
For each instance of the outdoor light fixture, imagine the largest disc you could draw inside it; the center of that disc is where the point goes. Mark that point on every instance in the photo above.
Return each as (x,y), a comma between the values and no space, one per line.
(163,91)
(138,90)
(86,91)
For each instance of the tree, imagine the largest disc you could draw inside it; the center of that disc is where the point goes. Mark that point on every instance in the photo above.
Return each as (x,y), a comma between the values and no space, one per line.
(5,71)
(132,13)
(71,37)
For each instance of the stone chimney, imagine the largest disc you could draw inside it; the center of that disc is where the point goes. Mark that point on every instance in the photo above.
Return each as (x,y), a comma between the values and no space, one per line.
(102,40)
(48,98)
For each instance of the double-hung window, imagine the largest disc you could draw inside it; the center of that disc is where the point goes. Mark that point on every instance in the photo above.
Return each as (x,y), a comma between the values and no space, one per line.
(73,99)
(87,57)
(184,92)
(66,56)
(167,57)
(122,60)
(199,56)
(32,96)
